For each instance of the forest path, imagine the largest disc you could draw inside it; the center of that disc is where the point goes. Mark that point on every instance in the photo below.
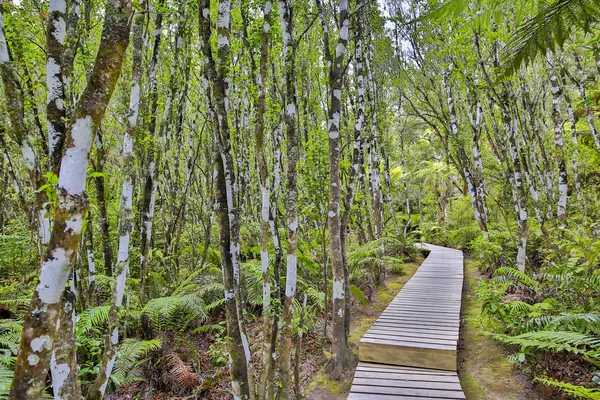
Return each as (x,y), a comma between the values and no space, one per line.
(411,350)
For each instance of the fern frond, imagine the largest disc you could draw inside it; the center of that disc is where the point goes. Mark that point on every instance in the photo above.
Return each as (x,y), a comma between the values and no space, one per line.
(182,372)
(578,392)
(130,354)
(572,342)
(549,27)
(516,276)
(6,376)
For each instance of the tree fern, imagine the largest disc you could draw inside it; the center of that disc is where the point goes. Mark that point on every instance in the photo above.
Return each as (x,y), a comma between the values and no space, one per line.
(550,26)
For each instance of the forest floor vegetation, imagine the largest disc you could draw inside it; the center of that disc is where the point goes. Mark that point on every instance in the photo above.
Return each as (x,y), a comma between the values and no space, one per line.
(484,370)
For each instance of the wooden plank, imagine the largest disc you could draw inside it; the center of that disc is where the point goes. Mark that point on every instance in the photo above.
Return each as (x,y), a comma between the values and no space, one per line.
(444,394)
(438,357)
(385,382)
(410,351)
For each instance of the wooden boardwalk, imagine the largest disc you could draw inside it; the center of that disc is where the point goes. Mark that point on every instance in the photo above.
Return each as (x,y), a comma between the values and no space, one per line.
(410,351)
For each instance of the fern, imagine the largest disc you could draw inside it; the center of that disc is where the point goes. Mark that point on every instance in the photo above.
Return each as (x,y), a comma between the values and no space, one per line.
(551,25)
(591,282)
(572,342)
(163,311)
(181,371)
(6,376)
(130,356)
(578,392)
(516,276)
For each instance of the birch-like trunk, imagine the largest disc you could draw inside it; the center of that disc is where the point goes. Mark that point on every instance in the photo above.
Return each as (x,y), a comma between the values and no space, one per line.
(14,95)
(355,173)
(342,355)
(291,201)
(461,154)
(374,167)
(582,93)
(111,337)
(241,368)
(39,328)
(558,141)
(150,181)
(55,104)
(101,200)
(265,191)
(574,141)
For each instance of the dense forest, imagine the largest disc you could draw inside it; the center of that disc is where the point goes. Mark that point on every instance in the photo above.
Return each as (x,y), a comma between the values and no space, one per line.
(196,196)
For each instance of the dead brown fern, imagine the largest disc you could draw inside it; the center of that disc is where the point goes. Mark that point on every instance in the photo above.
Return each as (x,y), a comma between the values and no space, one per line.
(181,371)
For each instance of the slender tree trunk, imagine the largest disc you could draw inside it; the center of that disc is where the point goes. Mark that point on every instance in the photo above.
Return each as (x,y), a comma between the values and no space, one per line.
(461,155)
(298,355)
(63,362)
(582,94)
(102,211)
(265,191)
(574,141)
(558,141)
(111,337)
(239,350)
(355,170)
(15,106)
(291,201)
(150,182)
(40,323)
(342,355)
(55,105)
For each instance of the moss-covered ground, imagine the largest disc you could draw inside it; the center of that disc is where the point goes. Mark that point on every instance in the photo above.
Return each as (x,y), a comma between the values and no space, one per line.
(484,370)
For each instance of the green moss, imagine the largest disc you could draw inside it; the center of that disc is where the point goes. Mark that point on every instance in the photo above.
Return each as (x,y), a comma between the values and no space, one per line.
(321,382)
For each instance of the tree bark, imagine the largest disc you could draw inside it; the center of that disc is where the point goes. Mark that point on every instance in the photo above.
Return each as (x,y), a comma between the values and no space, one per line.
(111,337)
(342,355)
(558,141)
(40,323)
(291,201)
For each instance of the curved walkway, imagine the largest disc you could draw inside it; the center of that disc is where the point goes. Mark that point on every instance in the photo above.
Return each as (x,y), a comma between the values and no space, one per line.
(410,351)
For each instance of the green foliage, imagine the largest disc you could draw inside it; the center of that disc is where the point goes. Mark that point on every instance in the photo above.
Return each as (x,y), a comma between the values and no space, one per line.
(129,359)
(358,295)
(572,342)
(514,276)
(175,312)
(579,392)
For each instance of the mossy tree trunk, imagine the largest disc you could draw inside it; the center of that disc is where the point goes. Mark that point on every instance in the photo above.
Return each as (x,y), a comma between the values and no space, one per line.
(39,329)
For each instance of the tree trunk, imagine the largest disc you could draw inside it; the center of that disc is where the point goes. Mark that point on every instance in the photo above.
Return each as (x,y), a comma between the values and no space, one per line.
(150,182)
(558,142)
(291,201)
(342,355)
(40,323)
(111,337)
(241,360)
